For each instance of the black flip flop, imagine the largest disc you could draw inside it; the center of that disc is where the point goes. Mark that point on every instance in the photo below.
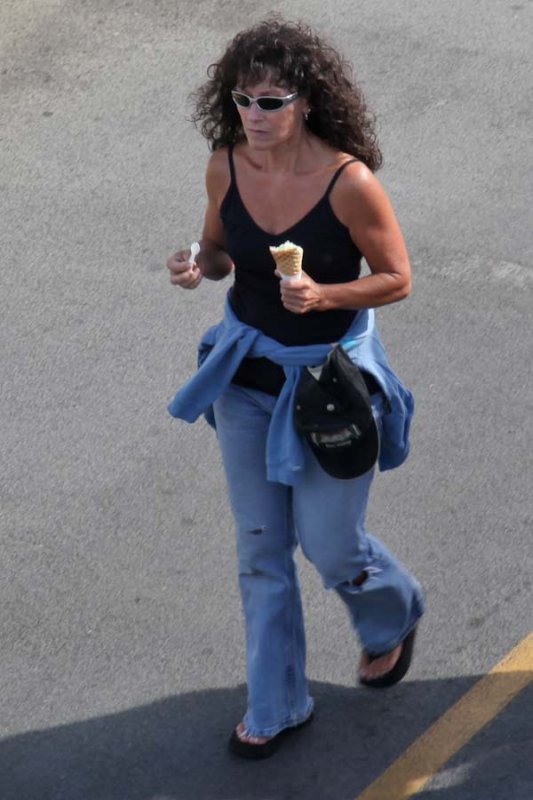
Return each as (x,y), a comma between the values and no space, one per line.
(255,751)
(399,669)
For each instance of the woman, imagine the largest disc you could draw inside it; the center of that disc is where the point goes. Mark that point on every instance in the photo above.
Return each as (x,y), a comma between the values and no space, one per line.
(294,154)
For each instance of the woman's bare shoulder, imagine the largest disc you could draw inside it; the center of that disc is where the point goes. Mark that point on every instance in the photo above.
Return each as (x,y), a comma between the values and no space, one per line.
(218,164)
(355,173)
(356,182)
(217,176)
(359,195)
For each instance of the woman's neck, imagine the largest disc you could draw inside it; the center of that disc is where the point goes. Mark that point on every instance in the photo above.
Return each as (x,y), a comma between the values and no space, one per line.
(299,154)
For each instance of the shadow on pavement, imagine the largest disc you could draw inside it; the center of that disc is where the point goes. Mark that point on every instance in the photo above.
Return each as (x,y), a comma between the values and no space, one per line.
(175,749)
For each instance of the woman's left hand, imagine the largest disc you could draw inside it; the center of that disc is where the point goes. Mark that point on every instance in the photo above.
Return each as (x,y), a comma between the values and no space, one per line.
(301,296)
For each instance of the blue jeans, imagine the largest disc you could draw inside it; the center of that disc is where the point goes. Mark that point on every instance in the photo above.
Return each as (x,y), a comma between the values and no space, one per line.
(326,517)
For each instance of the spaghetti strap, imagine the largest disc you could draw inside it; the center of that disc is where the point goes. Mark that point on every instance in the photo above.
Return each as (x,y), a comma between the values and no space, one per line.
(231,164)
(334,179)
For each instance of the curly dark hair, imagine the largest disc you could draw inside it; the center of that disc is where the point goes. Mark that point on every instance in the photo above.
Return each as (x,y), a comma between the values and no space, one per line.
(291,54)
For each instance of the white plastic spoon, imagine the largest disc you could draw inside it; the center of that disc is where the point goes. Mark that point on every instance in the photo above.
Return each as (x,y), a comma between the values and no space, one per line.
(195,249)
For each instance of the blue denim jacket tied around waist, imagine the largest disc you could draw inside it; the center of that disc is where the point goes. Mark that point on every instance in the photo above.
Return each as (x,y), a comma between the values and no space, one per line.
(222,349)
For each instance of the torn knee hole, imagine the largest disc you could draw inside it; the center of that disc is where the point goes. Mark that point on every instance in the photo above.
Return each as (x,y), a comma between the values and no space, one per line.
(257,531)
(360,579)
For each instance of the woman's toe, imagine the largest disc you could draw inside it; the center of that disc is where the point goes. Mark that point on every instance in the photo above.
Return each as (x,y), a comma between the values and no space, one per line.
(245,737)
(369,669)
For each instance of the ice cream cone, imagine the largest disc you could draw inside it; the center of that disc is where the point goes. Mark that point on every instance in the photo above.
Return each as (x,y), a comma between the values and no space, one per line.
(288,258)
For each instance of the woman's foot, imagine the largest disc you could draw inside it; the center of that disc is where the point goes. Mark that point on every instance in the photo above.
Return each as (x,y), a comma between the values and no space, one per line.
(369,668)
(379,671)
(245,737)
(244,745)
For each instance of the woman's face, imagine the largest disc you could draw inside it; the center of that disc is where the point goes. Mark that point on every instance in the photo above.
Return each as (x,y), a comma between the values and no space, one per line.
(266,129)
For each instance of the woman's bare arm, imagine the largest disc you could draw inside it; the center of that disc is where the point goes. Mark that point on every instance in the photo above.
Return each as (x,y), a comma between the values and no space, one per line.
(212,262)
(361,204)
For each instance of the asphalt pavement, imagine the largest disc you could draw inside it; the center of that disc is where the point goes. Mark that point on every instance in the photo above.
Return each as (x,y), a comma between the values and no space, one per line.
(121,660)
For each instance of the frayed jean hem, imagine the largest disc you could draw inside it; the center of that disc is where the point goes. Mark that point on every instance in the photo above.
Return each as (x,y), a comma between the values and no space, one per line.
(273,730)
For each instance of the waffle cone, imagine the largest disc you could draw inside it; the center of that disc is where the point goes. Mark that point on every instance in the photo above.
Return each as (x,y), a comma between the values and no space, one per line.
(288,258)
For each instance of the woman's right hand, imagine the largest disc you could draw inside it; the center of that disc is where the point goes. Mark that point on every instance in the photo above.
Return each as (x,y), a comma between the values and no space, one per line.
(182,273)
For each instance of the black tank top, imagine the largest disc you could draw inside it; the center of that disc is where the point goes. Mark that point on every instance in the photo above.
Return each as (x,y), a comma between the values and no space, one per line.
(330,256)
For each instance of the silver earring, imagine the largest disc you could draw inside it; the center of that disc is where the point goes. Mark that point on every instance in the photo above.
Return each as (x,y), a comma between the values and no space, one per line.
(306,115)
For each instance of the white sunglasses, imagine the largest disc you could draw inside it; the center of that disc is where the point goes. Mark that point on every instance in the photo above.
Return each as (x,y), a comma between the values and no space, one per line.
(264,102)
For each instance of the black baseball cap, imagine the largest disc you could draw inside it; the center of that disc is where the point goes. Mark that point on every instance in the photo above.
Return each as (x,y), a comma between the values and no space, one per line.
(333,412)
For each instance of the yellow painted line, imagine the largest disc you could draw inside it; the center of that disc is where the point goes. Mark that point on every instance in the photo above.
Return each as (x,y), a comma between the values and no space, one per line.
(428,754)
